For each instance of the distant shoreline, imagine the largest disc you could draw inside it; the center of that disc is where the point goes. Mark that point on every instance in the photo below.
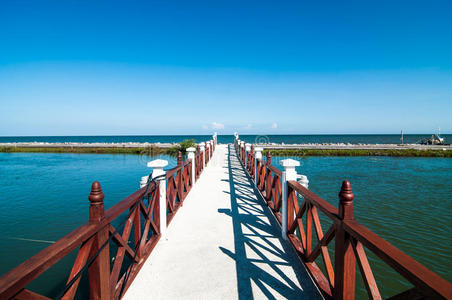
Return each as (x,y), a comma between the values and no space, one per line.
(339,149)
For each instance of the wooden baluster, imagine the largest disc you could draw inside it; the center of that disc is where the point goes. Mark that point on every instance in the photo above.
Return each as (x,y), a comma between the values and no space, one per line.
(247,160)
(198,167)
(250,162)
(344,281)
(262,177)
(99,270)
(242,150)
(179,181)
(190,174)
(137,229)
(268,183)
(308,229)
(157,206)
(258,173)
(292,197)
(251,166)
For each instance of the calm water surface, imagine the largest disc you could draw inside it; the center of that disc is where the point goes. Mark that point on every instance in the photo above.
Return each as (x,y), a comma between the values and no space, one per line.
(408,201)
(45,196)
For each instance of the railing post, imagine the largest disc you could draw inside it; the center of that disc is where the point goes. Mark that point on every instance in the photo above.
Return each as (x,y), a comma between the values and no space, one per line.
(247,151)
(157,166)
(257,157)
(208,150)
(242,150)
(344,279)
(99,270)
(191,155)
(202,147)
(212,145)
(288,174)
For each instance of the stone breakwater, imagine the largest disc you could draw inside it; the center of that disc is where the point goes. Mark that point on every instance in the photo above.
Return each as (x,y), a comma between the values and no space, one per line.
(324,146)
(348,146)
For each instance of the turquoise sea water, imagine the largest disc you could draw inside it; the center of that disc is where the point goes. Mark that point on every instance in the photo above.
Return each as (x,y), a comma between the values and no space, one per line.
(44,196)
(408,201)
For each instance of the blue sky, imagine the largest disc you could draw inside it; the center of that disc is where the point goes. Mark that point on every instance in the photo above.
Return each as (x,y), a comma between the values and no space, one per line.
(188,67)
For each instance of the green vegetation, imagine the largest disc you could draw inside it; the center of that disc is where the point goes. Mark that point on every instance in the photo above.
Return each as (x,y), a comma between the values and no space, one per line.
(181,147)
(101,150)
(153,150)
(360,152)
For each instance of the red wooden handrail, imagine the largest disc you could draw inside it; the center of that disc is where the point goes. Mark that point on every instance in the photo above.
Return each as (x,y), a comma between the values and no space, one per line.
(409,268)
(350,239)
(15,280)
(94,237)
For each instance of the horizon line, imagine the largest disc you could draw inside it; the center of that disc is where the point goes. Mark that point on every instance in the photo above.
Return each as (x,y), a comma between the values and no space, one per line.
(244,134)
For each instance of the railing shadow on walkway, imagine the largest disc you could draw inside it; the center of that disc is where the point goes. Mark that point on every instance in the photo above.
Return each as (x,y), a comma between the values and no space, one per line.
(258,242)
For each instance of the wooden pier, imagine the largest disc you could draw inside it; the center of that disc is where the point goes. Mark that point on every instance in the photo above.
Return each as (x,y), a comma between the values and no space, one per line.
(224,244)
(224,224)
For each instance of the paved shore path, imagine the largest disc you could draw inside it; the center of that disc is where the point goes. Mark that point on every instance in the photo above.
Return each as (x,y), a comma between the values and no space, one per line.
(223,244)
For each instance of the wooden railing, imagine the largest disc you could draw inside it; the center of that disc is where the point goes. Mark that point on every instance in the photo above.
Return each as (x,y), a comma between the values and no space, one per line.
(109,275)
(338,281)
(199,164)
(94,239)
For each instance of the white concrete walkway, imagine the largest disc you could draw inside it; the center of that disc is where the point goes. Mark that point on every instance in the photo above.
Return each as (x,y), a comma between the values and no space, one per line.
(223,244)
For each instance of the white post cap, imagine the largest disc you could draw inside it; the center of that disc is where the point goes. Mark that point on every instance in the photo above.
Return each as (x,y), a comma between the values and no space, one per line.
(144,181)
(157,166)
(248,147)
(158,163)
(191,152)
(303,180)
(258,149)
(290,163)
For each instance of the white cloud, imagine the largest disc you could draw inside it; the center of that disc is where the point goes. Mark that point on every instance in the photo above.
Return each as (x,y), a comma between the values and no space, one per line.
(205,127)
(274,125)
(249,126)
(216,125)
